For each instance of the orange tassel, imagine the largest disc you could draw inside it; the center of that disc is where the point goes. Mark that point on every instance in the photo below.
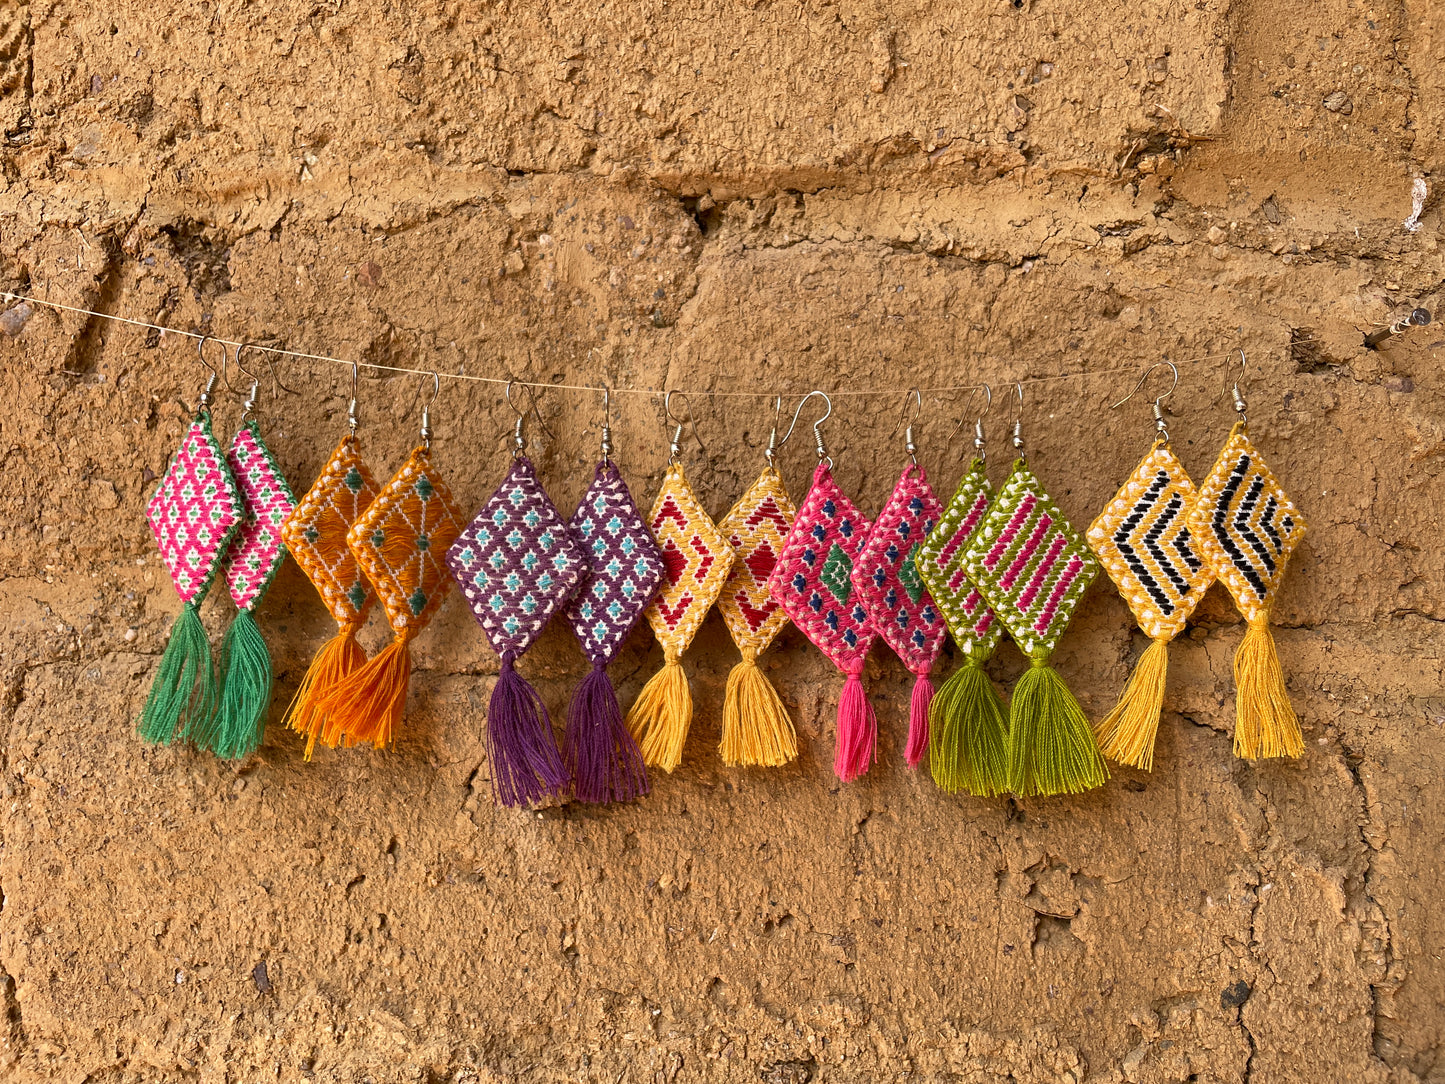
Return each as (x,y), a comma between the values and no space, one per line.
(337,659)
(367,706)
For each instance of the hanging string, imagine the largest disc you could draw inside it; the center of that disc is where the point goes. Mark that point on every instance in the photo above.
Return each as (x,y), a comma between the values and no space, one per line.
(657,393)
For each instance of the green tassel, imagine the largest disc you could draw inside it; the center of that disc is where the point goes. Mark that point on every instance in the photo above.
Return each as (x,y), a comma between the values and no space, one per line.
(1051,747)
(966,726)
(239,723)
(185,685)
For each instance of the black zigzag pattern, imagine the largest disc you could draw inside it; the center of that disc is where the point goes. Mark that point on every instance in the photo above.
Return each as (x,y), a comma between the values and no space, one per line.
(1129,542)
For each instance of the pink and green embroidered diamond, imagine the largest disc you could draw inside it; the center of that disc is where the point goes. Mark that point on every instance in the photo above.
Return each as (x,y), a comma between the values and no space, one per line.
(195,511)
(258,550)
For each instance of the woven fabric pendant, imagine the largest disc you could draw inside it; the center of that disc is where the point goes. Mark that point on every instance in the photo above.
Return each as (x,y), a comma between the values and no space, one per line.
(517,564)
(193,515)
(967,723)
(696,559)
(1144,543)
(1246,527)
(757,730)
(315,536)
(1032,567)
(886,579)
(624,570)
(398,542)
(250,564)
(813,582)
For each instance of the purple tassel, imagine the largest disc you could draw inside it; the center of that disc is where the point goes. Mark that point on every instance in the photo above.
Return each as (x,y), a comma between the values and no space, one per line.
(526,766)
(601,755)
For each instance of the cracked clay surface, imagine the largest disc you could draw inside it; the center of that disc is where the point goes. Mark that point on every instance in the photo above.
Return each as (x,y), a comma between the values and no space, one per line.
(741,194)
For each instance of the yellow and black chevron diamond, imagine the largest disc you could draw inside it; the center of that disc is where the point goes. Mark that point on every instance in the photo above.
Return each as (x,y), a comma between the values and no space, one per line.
(1245,525)
(1144,542)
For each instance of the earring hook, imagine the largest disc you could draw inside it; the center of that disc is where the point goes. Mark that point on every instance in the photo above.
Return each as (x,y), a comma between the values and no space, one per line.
(519,443)
(1018,433)
(351,409)
(1232,388)
(675,450)
(1159,423)
(205,401)
(817,425)
(771,451)
(978,441)
(436,390)
(908,444)
(606,424)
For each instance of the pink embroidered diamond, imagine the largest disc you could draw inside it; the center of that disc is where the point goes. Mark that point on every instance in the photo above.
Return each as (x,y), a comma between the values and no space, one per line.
(195,511)
(257,550)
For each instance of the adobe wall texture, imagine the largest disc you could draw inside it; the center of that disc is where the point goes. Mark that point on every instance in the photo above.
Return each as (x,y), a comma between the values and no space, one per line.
(742,194)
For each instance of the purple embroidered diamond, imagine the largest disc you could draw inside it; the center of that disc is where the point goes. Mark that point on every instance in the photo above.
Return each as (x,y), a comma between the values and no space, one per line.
(516,562)
(625,566)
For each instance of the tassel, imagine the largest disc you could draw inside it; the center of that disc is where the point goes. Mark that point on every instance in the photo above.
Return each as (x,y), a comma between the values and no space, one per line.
(238,724)
(185,684)
(1127,734)
(968,734)
(601,757)
(367,706)
(526,766)
(662,714)
(857,727)
(337,659)
(1050,745)
(757,730)
(918,719)
(1265,723)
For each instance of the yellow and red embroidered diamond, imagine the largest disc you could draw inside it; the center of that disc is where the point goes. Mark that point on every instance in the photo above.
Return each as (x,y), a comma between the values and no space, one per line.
(696,559)
(755,529)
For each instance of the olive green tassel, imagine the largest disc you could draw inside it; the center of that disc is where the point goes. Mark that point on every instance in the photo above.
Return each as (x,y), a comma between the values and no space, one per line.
(185,684)
(967,728)
(239,722)
(1051,747)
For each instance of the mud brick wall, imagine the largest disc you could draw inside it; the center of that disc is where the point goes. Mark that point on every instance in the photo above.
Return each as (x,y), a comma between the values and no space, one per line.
(728,195)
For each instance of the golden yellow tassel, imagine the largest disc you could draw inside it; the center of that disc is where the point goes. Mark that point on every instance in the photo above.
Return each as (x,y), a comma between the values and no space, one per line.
(1127,733)
(1265,723)
(338,658)
(368,705)
(757,730)
(662,714)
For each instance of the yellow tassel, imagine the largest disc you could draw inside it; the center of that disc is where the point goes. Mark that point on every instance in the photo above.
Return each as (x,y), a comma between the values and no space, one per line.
(1127,734)
(1265,724)
(757,730)
(368,705)
(338,658)
(660,717)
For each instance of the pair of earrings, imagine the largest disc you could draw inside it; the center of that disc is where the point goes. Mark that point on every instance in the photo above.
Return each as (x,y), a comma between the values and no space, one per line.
(1163,544)
(213,512)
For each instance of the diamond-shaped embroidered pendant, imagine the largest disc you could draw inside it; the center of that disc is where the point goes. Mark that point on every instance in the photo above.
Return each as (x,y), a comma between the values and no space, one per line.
(517,564)
(193,514)
(696,559)
(624,571)
(967,723)
(1032,567)
(315,536)
(886,579)
(250,564)
(1144,543)
(1246,527)
(399,543)
(757,730)
(813,582)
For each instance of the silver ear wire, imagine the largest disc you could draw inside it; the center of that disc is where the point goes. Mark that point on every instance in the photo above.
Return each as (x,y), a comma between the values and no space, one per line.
(908,443)
(1160,426)
(606,424)
(215,377)
(1018,433)
(426,434)
(770,453)
(821,448)
(351,409)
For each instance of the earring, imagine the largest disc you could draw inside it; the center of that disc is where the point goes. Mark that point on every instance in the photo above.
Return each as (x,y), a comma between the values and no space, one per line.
(895,596)
(1247,527)
(250,564)
(315,536)
(967,722)
(1032,567)
(813,582)
(757,730)
(398,542)
(622,574)
(193,514)
(1144,543)
(696,558)
(517,564)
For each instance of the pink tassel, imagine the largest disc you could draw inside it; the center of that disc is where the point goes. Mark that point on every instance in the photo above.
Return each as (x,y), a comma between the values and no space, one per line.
(918,720)
(857,727)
